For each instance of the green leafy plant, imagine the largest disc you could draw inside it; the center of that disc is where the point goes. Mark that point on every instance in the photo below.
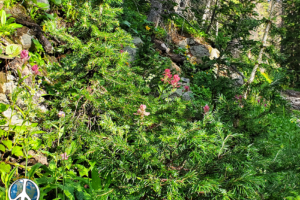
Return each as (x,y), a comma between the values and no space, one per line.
(7,26)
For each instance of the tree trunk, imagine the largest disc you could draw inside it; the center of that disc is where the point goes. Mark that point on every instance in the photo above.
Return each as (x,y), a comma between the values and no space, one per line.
(212,17)
(155,12)
(206,11)
(264,40)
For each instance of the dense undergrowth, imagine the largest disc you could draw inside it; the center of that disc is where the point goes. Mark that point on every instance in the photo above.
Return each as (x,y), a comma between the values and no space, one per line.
(109,134)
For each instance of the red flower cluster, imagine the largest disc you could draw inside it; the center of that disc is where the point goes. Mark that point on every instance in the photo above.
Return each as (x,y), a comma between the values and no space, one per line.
(168,78)
(206,109)
(35,69)
(186,88)
(24,55)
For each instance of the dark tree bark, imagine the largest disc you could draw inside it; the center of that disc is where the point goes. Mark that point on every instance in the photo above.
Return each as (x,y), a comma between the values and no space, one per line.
(155,11)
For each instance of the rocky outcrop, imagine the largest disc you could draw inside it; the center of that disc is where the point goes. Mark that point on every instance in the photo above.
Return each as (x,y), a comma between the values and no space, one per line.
(293,97)
(133,50)
(197,48)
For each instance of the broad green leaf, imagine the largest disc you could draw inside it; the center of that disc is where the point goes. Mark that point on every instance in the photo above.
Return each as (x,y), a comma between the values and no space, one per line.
(56,2)
(13,50)
(43,6)
(17,150)
(33,125)
(4,167)
(50,16)
(2,132)
(72,148)
(3,17)
(83,171)
(36,143)
(127,23)
(96,180)
(52,165)
(15,26)
(3,121)
(2,148)
(3,107)
(33,169)
(11,175)
(7,143)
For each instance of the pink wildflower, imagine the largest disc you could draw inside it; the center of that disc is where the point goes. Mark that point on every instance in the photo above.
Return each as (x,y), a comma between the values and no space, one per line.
(167,75)
(175,80)
(121,51)
(64,156)
(186,88)
(206,109)
(142,111)
(61,114)
(34,68)
(24,55)
(258,101)
(265,105)
(122,46)
(238,97)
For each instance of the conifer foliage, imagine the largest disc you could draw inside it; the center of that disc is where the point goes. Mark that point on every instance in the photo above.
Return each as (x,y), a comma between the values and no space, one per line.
(113,130)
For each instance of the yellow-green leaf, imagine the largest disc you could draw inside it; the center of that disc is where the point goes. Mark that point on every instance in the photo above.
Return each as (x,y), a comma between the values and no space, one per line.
(2,148)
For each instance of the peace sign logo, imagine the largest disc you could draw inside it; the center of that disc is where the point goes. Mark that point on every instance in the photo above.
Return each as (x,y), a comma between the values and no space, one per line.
(24,189)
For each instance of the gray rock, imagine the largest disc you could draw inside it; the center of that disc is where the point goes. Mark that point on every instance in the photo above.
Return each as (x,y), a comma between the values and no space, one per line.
(185,80)
(18,11)
(26,41)
(176,67)
(183,43)
(187,96)
(10,77)
(137,42)
(190,41)
(10,86)
(163,45)
(238,78)
(293,97)
(132,53)
(3,99)
(15,118)
(199,51)
(42,108)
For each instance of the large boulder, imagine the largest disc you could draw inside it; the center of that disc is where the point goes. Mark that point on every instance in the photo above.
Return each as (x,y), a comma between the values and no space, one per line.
(199,51)
(293,97)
